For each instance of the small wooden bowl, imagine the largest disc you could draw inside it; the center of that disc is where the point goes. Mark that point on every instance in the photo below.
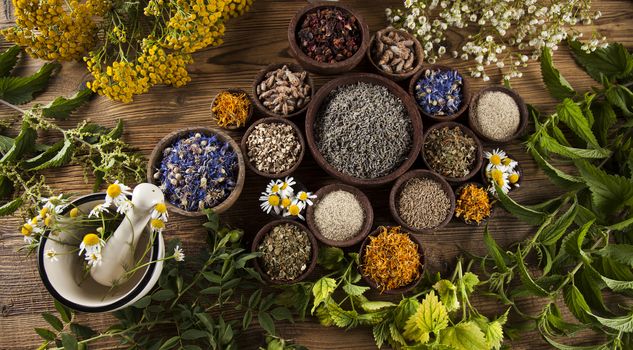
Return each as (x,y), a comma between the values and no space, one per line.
(467,131)
(321,97)
(517,168)
(265,230)
(365,204)
(260,77)
(321,67)
(235,92)
(490,198)
(465,93)
(374,285)
(270,120)
(419,57)
(397,187)
(523,113)
(157,155)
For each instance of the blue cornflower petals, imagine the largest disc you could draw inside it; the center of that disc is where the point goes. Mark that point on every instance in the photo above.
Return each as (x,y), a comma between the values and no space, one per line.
(439,92)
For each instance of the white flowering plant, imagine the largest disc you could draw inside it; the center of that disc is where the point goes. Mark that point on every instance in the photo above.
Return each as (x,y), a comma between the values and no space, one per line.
(280,197)
(507,34)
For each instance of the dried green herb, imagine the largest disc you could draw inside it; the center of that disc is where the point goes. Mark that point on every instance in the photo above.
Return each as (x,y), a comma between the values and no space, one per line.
(450,152)
(286,251)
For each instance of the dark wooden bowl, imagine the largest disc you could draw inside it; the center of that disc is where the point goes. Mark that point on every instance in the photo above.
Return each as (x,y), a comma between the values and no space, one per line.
(157,155)
(416,123)
(267,228)
(517,168)
(465,93)
(419,57)
(467,131)
(491,198)
(250,108)
(295,68)
(244,147)
(365,204)
(523,113)
(396,291)
(423,174)
(320,67)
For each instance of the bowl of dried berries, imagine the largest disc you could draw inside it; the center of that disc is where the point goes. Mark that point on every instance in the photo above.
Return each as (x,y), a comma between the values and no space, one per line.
(341,216)
(350,148)
(327,38)
(441,93)
(197,168)
(273,147)
(283,90)
(231,109)
(497,114)
(395,53)
(391,260)
(288,252)
(473,203)
(422,201)
(453,151)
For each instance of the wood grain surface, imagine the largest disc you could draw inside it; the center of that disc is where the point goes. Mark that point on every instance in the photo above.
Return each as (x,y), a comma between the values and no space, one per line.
(252,42)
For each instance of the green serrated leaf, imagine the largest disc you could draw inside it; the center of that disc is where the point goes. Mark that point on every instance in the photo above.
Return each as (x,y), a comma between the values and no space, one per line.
(61,157)
(44,156)
(553,232)
(370,306)
(448,294)
(430,317)
(53,321)
(571,114)
(405,309)
(322,290)
(8,59)
(20,90)
(527,280)
(621,97)
(612,62)
(622,225)
(622,323)
(464,336)
(354,290)
(117,131)
(556,84)
(11,206)
(381,333)
(554,146)
(609,192)
(22,144)
(616,285)
(573,347)
(533,217)
(576,303)
(622,253)
(499,255)
(605,118)
(558,177)
(330,257)
(61,107)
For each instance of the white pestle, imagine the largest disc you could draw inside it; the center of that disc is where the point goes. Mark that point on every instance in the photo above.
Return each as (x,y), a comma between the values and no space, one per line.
(117,256)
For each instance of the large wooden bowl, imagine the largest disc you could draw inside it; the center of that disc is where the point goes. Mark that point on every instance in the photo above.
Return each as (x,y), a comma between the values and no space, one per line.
(478,157)
(321,67)
(373,284)
(523,113)
(364,203)
(419,57)
(416,123)
(157,155)
(465,93)
(265,230)
(244,147)
(250,108)
(295,68)
(394,195)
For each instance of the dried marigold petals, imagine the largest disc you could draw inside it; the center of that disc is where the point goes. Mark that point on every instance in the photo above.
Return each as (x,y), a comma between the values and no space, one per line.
(231,109)
(473,204)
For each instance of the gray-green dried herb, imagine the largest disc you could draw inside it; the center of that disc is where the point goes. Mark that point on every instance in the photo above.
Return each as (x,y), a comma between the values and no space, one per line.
(286,252)
(450,152)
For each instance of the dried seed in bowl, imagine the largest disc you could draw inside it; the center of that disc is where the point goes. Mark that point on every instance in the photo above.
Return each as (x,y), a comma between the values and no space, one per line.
(497,115)
(273,147)
(283,91)
(393,52)
(286,252)
(339,215)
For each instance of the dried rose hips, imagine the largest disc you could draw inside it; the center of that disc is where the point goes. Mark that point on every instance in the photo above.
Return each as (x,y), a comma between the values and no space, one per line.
(329,35)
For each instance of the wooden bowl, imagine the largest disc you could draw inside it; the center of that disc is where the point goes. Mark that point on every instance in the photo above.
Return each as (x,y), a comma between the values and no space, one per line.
(419,57)
(467,131)
(295,68)
(465,93)
(365,204)
(394,195)
(244,147)
(518,168)
(416,123)
(250,108)
(490,198)
(396,291)
(157,155)
(321,67)
(265,230)
(523,113)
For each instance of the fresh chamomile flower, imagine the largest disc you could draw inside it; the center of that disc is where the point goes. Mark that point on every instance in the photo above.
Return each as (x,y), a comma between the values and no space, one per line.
(270,202)
(294,209)
(306,197)
(160,212)
(93,258)
(514,178)
(501,179)
(98,209)
(54,203)
(509,163)
(51,255)
(124,206)
(157,225)
(495,157)
(27,232)
(490,167)
(286,186)
(91,243)
(274,187)
(285,202)
(74,212)
(116,193)
(178,254)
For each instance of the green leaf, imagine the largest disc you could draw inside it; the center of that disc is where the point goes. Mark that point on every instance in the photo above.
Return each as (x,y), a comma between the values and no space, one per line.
(44,156)
(247,319)
(558,177)
(69,341)
(341,318)
(605,118)
(281,313)
(498,254)
(117,131)
(553,232)
(576,303)
(45,334)
(370,306)
(163,295)
(322,290)
(266,322)
(8,59)
(10,207)
(64,312)
(573,347)
(552,145)
(23,143)
(612,62)
(589,285)
(616,285)
(622,253)
(330,257)
(81,331)
(62,157)
(169,343)
(53,321)
(621,225)
(354,290)
(405,309)
(431,317)
(143,302)
(20,90)
(448,294)
(527,280)
(193,334)
(622,323)
(556,84)
(609,193)
(571,114)
(621,97)
(381,333)
(464,336)
(526,214)
(61,107)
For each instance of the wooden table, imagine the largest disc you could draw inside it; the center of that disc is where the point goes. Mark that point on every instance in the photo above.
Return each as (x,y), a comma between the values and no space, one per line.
(251,42)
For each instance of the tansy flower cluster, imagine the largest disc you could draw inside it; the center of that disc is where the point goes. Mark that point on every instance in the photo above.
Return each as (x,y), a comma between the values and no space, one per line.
(501,170)
(281,198)
(503,29)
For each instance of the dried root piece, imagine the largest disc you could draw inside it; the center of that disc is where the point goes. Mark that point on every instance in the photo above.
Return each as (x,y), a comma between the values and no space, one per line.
(283,91)
(393,52)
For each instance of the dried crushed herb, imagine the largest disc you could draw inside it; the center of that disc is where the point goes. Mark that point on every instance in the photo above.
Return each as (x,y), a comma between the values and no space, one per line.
(473,204)
(273,147)
(329,35)
(391,259)
(286,251)
(439,92)
(231,109)
(450,151)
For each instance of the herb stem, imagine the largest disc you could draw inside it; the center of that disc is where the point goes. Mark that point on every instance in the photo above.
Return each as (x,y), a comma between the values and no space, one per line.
(10,105)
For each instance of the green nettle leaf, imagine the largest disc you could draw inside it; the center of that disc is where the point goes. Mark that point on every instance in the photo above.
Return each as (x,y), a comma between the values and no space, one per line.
(469,281)
(354,290)
(609,193)
(612,62)
(464,336)
(527,280)
(616,285)
(10,207)
(621,97)
(605,118)
(533,217)
(589,284)
(622,225)
(342,318)
(431,317)
(572,347)
(556,84)
(571,114)
(322,290)
(370,306)
(44,156)
(117,131)
(558,177)
(330,257)
(448,294)
(622,253)
(622,323)
(576,303)
(554,146)
(405,309)
(499,255)
(552,233)
(61,107)
(20,90)
(381,333)
(8,59)
(62,157)
(23,143)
